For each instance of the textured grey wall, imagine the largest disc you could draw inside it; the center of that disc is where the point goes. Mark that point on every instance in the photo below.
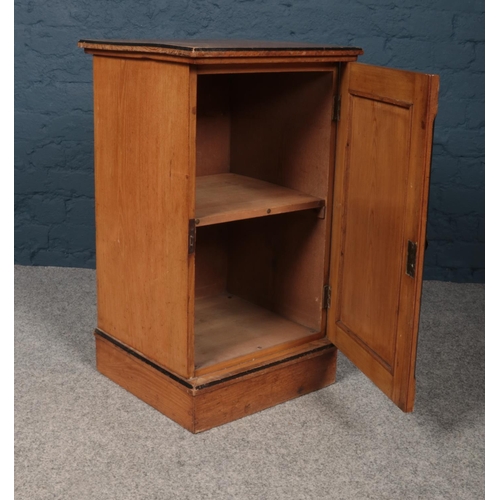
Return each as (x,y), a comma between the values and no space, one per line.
(54,206)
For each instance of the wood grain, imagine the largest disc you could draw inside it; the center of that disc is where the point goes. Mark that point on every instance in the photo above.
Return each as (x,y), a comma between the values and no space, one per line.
(255,63)
(228,327)
(191,201)
(274,262)
(206,402)
(249,394)
(232,67)
(230,197)
(212,246)
(381,189)
(213,125)
(374,211)
(281,128)
(143,185)
(282,132)
(278,263)
(250,363)
(160,391)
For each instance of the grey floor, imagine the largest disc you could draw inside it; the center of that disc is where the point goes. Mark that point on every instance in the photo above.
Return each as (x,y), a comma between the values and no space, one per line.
(79,436)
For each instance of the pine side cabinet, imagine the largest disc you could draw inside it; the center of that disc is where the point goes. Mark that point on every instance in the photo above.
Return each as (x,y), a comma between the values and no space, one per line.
(258,206)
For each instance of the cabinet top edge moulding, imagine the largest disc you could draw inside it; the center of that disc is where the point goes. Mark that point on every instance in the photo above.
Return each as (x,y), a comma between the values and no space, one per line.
(213,52)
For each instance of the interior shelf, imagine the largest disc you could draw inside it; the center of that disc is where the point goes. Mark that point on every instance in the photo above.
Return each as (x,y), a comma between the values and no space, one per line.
(230,197)
(228,327)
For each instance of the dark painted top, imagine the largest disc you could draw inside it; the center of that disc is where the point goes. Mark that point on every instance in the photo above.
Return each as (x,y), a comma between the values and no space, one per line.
(224,45)
(197,49)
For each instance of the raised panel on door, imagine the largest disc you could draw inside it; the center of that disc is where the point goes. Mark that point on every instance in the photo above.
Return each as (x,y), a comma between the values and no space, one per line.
(380,208)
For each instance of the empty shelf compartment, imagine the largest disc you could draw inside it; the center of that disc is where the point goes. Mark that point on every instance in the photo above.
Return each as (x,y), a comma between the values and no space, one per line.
(228,327)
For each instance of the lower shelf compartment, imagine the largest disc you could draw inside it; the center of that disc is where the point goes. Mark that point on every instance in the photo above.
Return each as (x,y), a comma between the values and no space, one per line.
(228,327)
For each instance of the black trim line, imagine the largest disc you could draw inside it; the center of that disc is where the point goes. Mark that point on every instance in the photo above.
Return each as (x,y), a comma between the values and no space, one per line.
(142,358)
(259,368)
(214,382)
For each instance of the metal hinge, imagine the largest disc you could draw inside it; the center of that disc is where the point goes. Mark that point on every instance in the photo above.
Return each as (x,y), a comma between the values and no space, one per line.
(327,296)
(191,236)
(336,108)
(411,261)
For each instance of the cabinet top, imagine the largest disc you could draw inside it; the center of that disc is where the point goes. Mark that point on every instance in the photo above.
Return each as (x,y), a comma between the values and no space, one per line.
(222,48)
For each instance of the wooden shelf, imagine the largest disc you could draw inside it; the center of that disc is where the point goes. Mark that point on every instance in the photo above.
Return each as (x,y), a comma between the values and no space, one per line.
(230,197)
(227,327)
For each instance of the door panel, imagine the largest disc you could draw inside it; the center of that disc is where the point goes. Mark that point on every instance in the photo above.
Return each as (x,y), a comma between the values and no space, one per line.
(380,203)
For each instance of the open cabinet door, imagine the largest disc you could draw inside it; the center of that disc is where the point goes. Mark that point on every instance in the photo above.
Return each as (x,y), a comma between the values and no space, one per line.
(379,221)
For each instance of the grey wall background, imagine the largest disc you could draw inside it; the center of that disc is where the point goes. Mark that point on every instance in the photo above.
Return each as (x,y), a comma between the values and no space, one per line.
(54,205)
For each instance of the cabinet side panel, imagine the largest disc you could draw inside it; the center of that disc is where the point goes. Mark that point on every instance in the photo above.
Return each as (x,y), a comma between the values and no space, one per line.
(143,204)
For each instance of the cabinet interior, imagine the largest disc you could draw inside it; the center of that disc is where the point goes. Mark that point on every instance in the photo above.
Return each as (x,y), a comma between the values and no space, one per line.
(263,167)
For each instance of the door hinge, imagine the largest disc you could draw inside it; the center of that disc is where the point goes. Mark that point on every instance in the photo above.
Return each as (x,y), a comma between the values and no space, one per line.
(191,236)
(336,108)
(327,296)
(411,261)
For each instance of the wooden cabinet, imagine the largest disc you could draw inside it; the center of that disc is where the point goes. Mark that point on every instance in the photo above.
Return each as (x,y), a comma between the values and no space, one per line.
(258,205)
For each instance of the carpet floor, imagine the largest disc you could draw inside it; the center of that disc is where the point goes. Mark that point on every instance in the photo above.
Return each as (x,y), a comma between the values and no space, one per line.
(80,436)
